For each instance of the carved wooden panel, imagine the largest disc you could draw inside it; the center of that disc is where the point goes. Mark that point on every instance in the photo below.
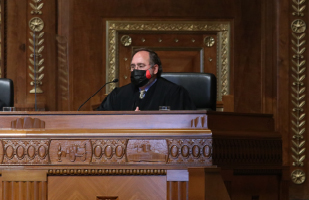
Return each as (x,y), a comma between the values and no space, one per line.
(108,151)
(191,151)
(70,152)
(147,151)
(24,152)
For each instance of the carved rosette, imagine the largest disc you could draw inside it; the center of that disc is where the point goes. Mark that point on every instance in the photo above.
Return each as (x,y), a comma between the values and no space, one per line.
(298,95)
(108,151)
(36,40)
(24,152)
(221,28)
(191,151)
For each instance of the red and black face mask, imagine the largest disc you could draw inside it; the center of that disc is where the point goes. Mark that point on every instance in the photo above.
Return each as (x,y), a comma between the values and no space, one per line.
(140,77)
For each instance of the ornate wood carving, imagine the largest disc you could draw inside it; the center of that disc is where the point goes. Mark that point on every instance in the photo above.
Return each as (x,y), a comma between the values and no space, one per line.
(24,152)
(109,172)
(147,151)
(108,151)
(298,80)
(70,152)
(36,25)
(27,123)
(191,151)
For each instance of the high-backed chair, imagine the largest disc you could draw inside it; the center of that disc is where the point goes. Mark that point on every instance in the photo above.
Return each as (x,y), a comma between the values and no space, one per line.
(202,87)
(7,92)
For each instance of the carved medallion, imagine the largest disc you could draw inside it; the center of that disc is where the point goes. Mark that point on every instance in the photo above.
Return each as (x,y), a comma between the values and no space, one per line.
(126,40)
(298,26)
(298,176)
(36,24)
(209,41)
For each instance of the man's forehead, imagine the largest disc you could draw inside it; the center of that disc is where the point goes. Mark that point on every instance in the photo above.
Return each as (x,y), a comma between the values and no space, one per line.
(141,55)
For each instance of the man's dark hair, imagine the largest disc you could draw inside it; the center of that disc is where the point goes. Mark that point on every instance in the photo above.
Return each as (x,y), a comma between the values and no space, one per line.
(153,58)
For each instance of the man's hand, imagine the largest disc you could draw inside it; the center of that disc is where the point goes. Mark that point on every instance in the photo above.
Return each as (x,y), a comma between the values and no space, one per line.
(137,109)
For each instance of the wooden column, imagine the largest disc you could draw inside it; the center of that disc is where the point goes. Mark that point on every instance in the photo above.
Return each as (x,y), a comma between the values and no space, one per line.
(177,184)
(24,184)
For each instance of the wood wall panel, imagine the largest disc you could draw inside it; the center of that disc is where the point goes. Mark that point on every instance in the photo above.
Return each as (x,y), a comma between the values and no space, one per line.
(17,52)
(125,187)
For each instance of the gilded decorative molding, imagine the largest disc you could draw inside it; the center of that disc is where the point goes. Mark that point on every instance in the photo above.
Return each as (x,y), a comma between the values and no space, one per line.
(298,96)
(109,172)
(221,28)
(63,74)
(298,7)
(36,40)
(37,6)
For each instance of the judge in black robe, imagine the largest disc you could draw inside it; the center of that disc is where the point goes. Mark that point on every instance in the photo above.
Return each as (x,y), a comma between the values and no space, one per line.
(146,69)
(161,93)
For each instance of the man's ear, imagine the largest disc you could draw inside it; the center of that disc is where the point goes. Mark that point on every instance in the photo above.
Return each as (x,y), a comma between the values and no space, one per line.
(155,69)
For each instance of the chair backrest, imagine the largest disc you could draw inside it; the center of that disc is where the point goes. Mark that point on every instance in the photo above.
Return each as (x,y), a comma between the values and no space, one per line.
(7,92)
(202,87)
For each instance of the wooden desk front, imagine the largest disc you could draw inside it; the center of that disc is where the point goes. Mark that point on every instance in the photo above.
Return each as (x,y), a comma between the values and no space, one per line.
(129,155)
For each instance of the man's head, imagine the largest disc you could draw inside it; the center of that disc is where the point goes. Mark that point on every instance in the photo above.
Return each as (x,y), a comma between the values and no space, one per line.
(143,59)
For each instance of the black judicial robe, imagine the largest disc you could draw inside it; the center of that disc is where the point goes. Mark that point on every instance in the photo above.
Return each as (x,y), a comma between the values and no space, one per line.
(161,93)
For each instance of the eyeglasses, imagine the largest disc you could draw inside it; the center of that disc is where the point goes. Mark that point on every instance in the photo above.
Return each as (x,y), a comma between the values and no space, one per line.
(139,66)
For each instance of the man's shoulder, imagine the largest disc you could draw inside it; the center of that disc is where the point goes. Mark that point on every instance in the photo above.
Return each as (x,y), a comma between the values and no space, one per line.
(124,89)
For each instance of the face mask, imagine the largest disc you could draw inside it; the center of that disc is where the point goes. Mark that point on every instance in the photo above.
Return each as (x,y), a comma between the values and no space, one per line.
(140,77)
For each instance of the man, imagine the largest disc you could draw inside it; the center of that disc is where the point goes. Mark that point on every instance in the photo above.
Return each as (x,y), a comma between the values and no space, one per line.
(147,90)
